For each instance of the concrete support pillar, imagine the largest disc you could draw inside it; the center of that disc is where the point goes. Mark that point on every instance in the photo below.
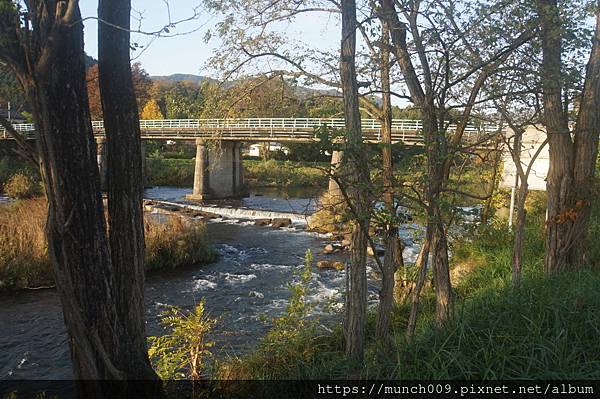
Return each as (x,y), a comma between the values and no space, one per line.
(239,187)
(201,173)
(334,189)
(102,160)
(223,177)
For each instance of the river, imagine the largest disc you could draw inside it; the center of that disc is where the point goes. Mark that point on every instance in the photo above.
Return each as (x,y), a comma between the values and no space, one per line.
(245,288)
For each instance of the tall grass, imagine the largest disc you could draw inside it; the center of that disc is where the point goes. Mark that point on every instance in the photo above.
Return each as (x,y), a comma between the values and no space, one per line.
(24,260)
(23,250)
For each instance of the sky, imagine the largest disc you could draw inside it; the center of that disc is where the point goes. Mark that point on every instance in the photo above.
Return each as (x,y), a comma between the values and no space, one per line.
(189,53)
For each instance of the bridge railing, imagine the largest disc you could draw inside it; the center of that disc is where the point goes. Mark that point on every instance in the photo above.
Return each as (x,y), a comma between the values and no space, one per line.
(290,127)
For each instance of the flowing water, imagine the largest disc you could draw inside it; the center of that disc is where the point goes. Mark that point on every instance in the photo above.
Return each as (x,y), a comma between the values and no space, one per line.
(245,288)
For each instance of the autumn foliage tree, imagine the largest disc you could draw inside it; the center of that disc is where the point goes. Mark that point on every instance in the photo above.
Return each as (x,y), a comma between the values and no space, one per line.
(142,85)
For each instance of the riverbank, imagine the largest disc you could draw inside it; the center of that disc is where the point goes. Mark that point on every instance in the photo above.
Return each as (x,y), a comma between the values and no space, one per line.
(245,288)
(257,173)
(24,259)
(545,329)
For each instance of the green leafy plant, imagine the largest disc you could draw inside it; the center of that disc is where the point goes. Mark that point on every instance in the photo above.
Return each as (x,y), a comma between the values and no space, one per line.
(181,353)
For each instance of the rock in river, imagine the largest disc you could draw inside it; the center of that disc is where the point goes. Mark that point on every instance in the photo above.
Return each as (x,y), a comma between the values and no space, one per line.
(281,222)
(325,264)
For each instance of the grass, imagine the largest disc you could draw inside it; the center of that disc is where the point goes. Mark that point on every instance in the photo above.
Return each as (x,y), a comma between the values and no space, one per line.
(24,259)
(546,329)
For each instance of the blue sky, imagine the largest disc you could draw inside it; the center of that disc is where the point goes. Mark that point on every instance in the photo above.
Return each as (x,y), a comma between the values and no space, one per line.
(189,53)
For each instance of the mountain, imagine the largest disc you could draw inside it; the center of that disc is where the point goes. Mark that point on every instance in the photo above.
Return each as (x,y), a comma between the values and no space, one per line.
(181,77)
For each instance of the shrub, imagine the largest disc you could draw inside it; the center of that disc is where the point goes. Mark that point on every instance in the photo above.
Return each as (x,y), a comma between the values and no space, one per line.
(177,242)
(21,185)
(284,173)
(179,354)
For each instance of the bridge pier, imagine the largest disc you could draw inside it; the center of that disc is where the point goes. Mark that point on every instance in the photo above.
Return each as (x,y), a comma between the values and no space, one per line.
(102,159)
(218,172)
(334,188)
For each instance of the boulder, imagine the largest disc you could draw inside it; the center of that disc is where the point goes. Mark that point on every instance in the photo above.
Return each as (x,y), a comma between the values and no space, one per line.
(281,222)
(339,265)
(329,249)
(262,222)
(325,264)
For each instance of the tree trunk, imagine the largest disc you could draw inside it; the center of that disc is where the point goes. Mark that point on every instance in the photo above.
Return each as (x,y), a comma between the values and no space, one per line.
(421,265)
(572,164)
(125,187)
(560,146)
(436,152)
(355,162)
(393,246)
(586,150)
(517,258)
(77,242)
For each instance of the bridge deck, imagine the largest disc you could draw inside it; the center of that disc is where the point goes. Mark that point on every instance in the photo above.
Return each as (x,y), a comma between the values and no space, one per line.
(269,129)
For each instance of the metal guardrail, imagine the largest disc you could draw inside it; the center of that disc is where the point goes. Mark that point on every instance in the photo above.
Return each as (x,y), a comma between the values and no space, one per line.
(288,129)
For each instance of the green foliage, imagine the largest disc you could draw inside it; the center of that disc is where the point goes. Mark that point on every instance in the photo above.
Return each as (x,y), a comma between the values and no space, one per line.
(21,185)
(284,173)
(170,172)
(181,353)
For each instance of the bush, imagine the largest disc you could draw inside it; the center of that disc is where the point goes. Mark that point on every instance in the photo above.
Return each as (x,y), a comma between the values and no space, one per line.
(170,172)
(285,173)
(177,242)
(179,354)
(21,185)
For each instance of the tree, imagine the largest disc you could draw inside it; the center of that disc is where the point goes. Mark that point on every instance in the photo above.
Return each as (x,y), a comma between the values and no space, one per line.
(392,260)
(43,44)
(94,92)
(141,83)
(572,159)
(355,162)
(151,111)
(431,81)
(125,193)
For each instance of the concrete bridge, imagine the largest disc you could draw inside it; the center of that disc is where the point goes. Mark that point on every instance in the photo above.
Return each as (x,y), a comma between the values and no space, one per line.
(218,168)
